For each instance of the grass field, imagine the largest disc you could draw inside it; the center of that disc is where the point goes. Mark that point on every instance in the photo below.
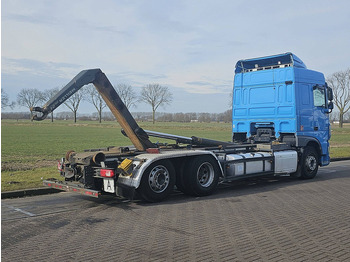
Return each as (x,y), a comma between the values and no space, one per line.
(29,150)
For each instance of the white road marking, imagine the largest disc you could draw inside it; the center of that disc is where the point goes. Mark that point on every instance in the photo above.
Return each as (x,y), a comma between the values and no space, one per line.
(327,171)
(20,210)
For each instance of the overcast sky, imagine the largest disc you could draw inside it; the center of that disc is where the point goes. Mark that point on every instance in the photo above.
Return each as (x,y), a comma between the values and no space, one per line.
(189,46)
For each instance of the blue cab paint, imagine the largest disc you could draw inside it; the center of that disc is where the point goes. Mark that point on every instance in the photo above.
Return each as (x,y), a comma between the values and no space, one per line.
(280,97)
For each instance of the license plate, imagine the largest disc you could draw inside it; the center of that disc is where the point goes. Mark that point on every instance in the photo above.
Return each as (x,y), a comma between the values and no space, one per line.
(108,185)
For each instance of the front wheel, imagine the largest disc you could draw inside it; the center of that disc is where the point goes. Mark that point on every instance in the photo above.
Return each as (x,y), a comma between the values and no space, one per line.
(309,163)
(157,181)
(202,176)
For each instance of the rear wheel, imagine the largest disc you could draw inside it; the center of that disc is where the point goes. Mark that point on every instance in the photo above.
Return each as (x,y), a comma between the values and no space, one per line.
(201,176)
(157,181)
(181,183)
(309,163)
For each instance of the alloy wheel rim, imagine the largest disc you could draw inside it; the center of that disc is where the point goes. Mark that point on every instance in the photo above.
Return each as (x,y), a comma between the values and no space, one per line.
(158,179)
(205,174)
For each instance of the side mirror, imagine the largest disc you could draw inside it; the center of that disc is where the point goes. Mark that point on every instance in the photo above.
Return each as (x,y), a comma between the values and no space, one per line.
(330,94)
(330,107)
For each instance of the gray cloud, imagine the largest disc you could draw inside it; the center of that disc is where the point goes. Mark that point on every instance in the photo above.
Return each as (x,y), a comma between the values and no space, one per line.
(112,29)
(199,83)
(34,19)
(12,66)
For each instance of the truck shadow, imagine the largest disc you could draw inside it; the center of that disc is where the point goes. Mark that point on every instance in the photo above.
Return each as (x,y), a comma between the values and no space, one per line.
(248,187)
(237,189)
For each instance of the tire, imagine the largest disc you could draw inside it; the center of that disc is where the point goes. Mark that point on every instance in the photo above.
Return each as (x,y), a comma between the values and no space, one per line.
(201,176)
(309,163)
(157,181)
(181,183)
(180,178)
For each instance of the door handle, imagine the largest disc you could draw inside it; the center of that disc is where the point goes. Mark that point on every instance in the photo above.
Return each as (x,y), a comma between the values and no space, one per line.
(316,128)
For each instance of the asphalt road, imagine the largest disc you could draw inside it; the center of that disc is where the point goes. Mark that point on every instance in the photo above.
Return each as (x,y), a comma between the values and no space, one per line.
(280,219)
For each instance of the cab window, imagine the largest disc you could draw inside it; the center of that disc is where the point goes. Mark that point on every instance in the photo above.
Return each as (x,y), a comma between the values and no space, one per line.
(319,97)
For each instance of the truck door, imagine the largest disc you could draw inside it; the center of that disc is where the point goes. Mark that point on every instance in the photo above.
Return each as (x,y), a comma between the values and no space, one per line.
(321,124)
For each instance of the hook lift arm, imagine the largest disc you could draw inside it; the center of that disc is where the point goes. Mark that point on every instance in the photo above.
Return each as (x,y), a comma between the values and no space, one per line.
(95,76)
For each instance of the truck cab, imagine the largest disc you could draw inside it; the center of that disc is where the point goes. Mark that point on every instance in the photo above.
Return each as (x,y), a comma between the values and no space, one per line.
(279,98)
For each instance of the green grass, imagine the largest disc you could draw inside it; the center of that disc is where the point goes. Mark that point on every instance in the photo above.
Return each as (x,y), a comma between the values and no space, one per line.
(29,150)
(23,179)
(340,141)
(26,141)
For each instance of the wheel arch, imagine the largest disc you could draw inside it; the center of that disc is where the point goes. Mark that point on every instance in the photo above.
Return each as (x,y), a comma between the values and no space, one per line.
(315,145)
(145,160)
(305,141)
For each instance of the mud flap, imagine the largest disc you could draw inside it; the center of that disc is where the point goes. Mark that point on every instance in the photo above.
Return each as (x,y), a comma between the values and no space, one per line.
(125,191)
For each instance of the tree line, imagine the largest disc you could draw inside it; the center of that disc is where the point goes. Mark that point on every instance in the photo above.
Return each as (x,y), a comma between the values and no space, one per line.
(156,95)
(139,116)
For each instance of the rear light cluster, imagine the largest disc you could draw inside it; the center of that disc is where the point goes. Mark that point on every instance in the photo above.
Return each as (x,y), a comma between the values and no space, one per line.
(107,172)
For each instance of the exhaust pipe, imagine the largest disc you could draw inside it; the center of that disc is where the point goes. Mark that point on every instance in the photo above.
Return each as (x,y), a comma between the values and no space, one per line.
(85,158)
(98,158)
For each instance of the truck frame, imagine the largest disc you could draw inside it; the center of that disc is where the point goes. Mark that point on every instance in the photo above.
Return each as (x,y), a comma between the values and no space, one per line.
(280,126)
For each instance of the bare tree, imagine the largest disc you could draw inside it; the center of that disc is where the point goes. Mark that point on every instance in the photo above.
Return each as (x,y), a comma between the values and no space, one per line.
(340,83)
(64,115)
(29,97)
(94,97)
(74,101)
(5,100)
(156,95)
(227,116)
(347,117)
(179,117)
(127,94)
(204,117)
(48,94)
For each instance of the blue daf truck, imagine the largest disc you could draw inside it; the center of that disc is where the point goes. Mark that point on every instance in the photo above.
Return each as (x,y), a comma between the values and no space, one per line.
(280,126)
(278,98)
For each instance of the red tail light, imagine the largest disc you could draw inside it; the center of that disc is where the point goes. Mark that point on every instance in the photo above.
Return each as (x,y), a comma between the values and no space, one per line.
(107,172)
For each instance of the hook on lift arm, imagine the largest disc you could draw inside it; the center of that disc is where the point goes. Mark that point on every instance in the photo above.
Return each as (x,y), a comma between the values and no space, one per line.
(41,110)
(83,78)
